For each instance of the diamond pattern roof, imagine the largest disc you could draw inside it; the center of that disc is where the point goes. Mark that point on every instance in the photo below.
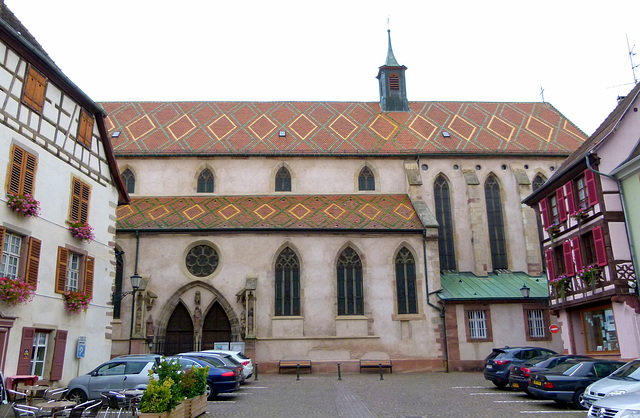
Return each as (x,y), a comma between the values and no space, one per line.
(338,128)
(361,212)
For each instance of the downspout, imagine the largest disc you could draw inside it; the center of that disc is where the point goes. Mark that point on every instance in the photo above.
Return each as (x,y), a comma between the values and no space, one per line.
(135,268)
(441,310)
(624,213)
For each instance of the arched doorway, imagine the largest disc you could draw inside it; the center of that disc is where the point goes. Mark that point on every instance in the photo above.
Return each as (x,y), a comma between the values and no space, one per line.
(179,336)
(216,327)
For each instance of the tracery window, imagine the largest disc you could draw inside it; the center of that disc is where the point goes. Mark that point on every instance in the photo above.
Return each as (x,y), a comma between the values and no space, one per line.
(129,181)
(205,181)
(350,297)
(537,182)
(287,283)
(445,229)
(496,224)
(283,180)
(202,260)
(366,179)
(406,282)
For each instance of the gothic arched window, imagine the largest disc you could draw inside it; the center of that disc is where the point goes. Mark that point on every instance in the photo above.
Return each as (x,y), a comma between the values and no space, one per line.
(129,181)
(406,282)
(366,180)
(205,181)
(350,298)
(445,229)
(495,223)
(537,182)
(283,180)
(287,284)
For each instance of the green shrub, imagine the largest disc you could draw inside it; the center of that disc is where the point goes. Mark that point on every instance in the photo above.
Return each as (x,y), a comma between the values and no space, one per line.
(194,381)
(158,396)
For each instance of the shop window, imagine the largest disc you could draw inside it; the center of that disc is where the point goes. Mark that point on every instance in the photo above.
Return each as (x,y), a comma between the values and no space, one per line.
(19,256)
(599,330)
(478,323)
(74,272)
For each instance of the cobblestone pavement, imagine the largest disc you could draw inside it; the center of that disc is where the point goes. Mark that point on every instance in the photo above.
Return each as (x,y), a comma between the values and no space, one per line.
(409,395)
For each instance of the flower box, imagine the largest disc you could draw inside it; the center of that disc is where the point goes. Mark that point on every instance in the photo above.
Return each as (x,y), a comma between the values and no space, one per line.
(24,204)
(16,291)
(76,302)
(82,231)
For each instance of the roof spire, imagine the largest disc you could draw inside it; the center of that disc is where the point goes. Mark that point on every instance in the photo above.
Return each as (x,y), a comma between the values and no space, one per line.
(391,59)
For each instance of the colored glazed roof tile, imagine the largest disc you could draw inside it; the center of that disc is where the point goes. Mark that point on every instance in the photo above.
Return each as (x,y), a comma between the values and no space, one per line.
(497,286)
(321,212)
(338,128)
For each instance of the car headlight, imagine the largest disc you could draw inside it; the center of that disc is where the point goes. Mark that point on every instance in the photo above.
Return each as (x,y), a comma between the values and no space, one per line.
(630,413)
(616,393)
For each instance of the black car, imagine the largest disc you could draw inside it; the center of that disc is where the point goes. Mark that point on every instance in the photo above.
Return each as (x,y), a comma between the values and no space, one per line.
(569,385)
(498,363)
(519,373)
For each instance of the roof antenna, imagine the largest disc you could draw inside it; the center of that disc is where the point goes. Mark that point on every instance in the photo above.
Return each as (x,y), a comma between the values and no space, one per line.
(631,54)
(542,93)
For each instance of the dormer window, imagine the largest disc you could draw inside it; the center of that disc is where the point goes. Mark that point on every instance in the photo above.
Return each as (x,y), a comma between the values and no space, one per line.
(394,82)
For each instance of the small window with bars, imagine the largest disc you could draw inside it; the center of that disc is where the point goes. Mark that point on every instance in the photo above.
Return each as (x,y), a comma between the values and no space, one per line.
(394,82)
(477,325)
(535,320)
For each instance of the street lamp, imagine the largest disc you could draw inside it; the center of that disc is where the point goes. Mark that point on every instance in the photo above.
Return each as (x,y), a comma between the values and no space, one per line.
(136,280)
(525,291)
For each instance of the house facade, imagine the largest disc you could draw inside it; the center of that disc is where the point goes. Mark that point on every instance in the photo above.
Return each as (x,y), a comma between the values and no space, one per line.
(593,281)
(324,230)
(57,172)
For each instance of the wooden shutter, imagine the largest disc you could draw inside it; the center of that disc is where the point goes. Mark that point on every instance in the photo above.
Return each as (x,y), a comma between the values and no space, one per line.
(57,363)
(33,261)
(89,267)
(598,241)
(2,231)
(577,255)
(26,346)
(544,213)
(80,194)
(22,172)
(562,208)
(568,259)
(592,190)
(61,270)
(549,256)
(34,87)
(85,128)
(568,194)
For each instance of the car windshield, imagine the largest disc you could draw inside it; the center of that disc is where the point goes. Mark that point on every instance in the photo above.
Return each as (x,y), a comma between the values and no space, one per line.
(630,370)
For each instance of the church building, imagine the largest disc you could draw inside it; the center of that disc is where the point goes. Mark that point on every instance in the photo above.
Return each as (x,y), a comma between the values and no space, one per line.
(334,231)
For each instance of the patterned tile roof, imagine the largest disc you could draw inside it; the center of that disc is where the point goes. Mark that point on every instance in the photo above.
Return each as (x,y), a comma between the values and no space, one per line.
(338,128)
(333,212)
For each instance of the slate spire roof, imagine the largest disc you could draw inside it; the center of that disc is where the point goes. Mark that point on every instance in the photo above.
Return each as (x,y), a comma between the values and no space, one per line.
(391,59)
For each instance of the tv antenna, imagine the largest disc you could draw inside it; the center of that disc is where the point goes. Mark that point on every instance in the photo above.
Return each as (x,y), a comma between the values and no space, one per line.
(631,54)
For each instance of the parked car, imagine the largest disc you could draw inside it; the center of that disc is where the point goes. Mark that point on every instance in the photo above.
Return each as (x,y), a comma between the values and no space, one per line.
(519,373)
(247,370)
(226,359)
(624,380)
(120,373)
(498,363)
(627,405)
(221,379)
(569,386)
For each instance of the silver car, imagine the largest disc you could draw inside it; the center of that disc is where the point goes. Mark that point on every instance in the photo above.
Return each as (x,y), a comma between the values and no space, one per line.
(247,370)
(627,405)
(120,373)
(624,380)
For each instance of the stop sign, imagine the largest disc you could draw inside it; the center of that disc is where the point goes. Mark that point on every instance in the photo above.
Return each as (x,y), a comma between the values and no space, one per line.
(554,329)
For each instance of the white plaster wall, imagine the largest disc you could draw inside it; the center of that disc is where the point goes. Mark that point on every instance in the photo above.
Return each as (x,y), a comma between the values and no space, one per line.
(628,330)
(618,147)
(619,241)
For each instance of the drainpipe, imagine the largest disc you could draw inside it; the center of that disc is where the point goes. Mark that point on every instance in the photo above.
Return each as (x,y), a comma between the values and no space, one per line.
(624,212)
(441,310)
(135,268)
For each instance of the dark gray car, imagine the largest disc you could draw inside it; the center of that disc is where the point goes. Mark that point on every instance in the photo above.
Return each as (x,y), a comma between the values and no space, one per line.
(499,362)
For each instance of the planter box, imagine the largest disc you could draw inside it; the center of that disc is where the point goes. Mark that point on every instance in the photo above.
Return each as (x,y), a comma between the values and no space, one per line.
(195,406)
(178,412)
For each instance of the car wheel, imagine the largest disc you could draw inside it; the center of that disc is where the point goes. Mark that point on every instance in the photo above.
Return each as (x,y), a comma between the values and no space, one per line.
(77,395)
(500,385)
(579,401)
(210,392)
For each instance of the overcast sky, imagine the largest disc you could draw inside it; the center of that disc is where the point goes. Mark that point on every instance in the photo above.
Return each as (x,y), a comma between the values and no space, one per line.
(141,50)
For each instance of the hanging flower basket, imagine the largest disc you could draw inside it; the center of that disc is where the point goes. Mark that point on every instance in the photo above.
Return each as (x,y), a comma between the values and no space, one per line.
(589,275)
(553,229)
(83,231)
(16,291)
(560,284)
(76,302)
(24,204)
(579,214)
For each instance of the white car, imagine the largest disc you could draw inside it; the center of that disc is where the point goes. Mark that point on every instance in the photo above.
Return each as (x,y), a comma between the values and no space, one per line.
(620,406)
(624,380)
(247,371)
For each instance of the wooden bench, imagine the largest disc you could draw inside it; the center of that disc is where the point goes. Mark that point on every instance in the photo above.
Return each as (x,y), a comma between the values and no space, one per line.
(294,364)
(376,364)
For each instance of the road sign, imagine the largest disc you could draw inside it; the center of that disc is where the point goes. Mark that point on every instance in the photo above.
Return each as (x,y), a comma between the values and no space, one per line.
(554,329)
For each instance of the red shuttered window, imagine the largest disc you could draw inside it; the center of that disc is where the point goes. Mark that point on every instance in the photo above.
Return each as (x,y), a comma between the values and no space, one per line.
(577,254)
(568,193)
(601,252)
(544,213)
(592,190)
(562,208)
(550,271)
(568,259)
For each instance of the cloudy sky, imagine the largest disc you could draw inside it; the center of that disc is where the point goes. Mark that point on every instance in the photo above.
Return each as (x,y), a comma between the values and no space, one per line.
(142,50)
